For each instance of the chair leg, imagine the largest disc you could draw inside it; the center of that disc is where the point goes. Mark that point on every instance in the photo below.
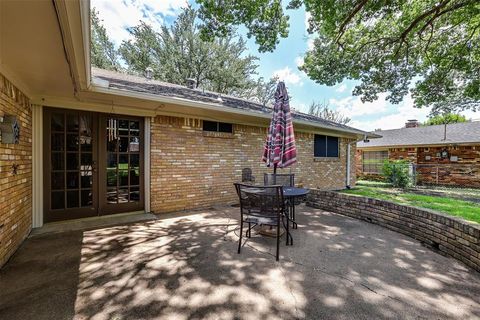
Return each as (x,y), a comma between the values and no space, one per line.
(240,236)
(278,237)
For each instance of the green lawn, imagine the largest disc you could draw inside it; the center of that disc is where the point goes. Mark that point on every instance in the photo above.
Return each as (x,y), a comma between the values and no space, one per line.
(378,190)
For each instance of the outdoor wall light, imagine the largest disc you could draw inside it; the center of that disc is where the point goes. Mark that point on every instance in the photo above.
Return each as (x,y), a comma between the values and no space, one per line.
(10,129)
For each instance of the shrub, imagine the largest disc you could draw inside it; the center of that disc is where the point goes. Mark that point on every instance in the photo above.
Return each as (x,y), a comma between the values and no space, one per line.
(397,173)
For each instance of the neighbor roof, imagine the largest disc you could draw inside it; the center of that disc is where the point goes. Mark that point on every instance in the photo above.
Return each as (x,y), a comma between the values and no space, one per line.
(121,81)
(457,133)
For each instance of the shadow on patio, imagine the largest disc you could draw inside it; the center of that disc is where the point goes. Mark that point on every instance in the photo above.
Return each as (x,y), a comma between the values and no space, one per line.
(186,267)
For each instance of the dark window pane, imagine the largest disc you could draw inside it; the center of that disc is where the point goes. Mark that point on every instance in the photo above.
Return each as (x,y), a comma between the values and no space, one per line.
(86,179)
(111,177)
(135,194)
(134,160)
(332,147)
(58,161)
(134,176)
(112,145)
(58,180)
(72,161)
(320,146)
(134,128)
(111,160)
(210,126)
(86,126)
(72,199)
(72,142)
(72,123)
(225,127)
(112,195)
(85,143)
(57,122)
(123,161)
(123,177)
(122,195)
(123,144)
(86,161)
(72,180)
(122,127)
(58,141)
(134,145)
(87,198)
(58,200)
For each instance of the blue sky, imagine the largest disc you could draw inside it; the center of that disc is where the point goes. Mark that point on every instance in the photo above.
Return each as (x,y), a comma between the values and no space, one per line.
(118,15)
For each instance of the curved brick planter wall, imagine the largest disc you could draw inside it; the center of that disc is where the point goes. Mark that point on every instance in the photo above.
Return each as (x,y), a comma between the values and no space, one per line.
(449,235)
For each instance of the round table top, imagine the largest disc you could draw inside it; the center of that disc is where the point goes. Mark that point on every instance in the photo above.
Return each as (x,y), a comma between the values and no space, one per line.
(294,191)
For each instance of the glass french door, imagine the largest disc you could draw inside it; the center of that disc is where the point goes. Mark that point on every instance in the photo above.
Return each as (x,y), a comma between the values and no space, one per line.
(93,164)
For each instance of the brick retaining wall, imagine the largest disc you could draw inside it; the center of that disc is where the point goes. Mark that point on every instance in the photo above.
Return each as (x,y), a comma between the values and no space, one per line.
(449,235)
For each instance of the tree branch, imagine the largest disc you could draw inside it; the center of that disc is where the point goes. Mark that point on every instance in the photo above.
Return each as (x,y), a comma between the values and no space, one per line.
(360,4)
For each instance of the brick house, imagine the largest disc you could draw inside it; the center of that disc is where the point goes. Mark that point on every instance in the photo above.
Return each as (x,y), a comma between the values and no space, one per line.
(442,154)
(94,142)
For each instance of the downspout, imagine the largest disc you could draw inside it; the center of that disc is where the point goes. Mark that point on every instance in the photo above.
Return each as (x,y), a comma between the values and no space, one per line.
(349,148)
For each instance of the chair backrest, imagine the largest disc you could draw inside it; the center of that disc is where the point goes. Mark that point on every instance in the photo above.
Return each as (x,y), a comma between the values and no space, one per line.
(247,175)
(260,200)
(283,179)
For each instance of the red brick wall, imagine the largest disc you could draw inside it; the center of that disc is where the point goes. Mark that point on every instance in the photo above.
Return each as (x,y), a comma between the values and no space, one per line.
(193,169)
(15,189)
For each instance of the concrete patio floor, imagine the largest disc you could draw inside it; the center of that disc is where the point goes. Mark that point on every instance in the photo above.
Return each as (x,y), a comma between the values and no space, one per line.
(185,266)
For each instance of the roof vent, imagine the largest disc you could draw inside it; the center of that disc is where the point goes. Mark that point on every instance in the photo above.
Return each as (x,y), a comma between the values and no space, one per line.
(149,73)
(412,123)
(191,83)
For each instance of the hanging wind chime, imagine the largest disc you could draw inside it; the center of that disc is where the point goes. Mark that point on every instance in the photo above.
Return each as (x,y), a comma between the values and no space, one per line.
(112,127)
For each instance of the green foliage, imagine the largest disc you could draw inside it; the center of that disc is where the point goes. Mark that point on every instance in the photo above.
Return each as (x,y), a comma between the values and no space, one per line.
(102,51)
(397,173)
(445,119)
(177,53)
(322,110)
(429,48)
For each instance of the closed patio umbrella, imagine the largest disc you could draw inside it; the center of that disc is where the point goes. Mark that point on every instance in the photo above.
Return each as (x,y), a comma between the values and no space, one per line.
(280,150)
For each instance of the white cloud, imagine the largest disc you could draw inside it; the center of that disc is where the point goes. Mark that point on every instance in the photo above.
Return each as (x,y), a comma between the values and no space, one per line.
(290,77)
(353,106)
(341,87)
(117,16)
(299,61)
(307,16)
(310,43)
(402,112)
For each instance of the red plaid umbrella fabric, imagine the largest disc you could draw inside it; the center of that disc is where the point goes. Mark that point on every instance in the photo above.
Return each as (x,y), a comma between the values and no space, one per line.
(280,150)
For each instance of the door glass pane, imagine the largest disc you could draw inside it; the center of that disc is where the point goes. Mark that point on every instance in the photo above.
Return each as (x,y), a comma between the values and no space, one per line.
(58,162)
(85,143)
(123,144)
(57,123)
(73,200)
(123,177)
(111,177)
(134,145)
(123,127)
(58,180)
(58,200)
(134,160)
(86,161)
(72,161)
(72,180)
(58,141)
(87,198)
(134,176)
(72,142)
(123,161)
(122,195)
(112,195)
(87,179)
(134,194)
(72,122)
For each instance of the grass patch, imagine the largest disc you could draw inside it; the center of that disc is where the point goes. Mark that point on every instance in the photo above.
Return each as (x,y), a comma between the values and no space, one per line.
(454,207)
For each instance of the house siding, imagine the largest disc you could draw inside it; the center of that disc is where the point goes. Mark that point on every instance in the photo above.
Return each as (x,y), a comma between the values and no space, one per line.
(15,189)
(191,168)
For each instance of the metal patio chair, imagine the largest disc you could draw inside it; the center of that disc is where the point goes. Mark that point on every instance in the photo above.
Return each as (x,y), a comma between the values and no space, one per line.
(262,205)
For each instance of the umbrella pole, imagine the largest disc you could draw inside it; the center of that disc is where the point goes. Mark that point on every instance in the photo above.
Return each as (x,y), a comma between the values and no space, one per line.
(274,168)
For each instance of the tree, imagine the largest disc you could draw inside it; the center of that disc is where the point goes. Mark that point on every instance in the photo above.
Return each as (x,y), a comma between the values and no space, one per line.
(177,52)
(428,48)
(323,111)
(102,51)
(445,119)
(263,92)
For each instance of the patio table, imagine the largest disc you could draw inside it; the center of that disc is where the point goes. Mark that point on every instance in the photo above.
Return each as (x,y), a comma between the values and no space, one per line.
(290,194)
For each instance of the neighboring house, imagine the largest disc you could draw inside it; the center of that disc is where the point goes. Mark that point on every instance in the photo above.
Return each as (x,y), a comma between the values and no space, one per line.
(442,154)
(94,142)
